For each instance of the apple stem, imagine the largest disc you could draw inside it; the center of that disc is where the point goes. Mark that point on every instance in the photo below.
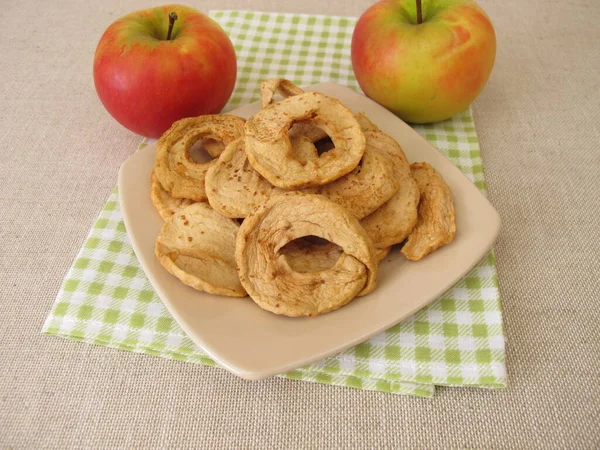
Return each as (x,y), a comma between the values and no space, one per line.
(172,19)
(419,12)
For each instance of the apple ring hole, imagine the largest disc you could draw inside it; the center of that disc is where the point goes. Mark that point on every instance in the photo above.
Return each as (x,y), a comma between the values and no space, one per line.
(309,254)
(316,240)
(358,168)
(324,145)
(318,140)
(205,149)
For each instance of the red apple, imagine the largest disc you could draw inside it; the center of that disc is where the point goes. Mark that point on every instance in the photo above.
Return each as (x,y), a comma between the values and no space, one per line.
(428,70)
(147,79)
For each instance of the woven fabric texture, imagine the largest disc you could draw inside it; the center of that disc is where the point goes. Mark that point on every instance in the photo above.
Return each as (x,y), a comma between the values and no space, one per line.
(60,152)
(458,340)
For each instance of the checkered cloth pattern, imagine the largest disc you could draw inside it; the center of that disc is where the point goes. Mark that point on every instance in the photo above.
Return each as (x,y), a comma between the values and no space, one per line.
(458,340)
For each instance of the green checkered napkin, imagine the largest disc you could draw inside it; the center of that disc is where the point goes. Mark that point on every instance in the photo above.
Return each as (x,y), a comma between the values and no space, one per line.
(458,340)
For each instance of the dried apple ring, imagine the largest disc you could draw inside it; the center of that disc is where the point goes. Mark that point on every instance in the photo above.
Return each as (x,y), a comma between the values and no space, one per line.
(393,221)
(381,253)
(197,245)
(269,88)
(367,187)
(306,128)
(365,123)
(387,145)
(286,88)
(270,150)
(177,172)
(233,187)
(314,130)
(266,274)
(311,129)
(164,203)
(436,225)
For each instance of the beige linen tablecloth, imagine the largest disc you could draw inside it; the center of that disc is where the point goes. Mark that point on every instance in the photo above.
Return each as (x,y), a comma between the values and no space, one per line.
(60,152)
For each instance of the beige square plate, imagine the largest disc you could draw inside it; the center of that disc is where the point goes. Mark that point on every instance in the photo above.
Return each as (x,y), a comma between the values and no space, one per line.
(254,343)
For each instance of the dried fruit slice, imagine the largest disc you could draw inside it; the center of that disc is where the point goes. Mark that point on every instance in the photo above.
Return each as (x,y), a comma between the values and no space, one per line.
(270,150)
(436,225)
(365,123)
(266,274)
(164,203)
(177,172)
(305,128)
(269,88)
(197,245)
(368,186)
(286,88)
(233,187)
(381,253)
(392,222)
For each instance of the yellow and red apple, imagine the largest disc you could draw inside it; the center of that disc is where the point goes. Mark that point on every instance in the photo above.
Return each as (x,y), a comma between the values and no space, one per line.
(423,70)
(156,66)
